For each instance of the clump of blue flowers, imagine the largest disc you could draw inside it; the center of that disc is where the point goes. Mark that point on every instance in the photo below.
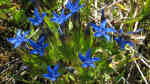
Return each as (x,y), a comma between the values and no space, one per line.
(39,46)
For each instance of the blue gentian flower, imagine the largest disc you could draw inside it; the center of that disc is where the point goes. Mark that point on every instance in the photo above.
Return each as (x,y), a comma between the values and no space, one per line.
(37,20)
(122,42)
(52,73)
(73,7)
(87,60)
(102,30)
(39,46)
(60,19)
(20,38)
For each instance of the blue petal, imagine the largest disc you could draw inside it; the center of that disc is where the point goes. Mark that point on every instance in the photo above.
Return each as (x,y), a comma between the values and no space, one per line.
(109,30)
(17,44)
(69,5)
(84,65)
(49,77)
(95,27)
(49,69)
(67,16)
(33,44)
(54,13)
(34,22)
(53,19)
(12,40)
(62,13)
(19,32)
(92,65)
(56,67)
(95,59)
(45,45)
(107,37)
(126,42)
(82,58)
(88,53)
(103,24)
(57,75)
(53,78)
(120,31)
(41,40)
(118,40)
(43,15)
(26,33)
(130,44)
(46,75)
(77,3)
(34,51)
(41,52)
(98,34)
(36,13)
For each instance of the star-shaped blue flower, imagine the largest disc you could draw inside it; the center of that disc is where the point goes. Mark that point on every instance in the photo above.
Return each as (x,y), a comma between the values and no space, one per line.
(122,42)
(102,30)
(74,7)
(20,38)
(52,73)
(60,19)
(87,60)
(39,46)
(37,20)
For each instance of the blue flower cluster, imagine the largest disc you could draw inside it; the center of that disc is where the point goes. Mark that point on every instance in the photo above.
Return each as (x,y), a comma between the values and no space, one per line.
(39,46)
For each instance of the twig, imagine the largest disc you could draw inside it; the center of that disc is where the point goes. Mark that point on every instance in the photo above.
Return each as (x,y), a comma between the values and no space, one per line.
(95,5)
(136,24)
(141,72)
(145,63)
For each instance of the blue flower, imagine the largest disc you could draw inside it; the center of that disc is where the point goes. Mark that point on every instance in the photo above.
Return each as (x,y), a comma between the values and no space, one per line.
(73,7)
(87,60)
(102,30)
(60,19)
(39,46)
(122,42)
(37,20)
(20,38)
(52,73)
